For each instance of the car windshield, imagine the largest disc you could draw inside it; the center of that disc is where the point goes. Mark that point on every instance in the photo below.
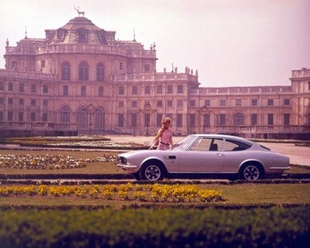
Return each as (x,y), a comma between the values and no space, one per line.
(183,143)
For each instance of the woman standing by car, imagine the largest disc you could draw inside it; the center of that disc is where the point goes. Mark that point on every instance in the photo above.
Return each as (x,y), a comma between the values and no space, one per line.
(163,139)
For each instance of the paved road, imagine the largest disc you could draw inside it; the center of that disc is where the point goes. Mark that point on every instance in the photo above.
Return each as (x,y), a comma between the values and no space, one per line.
(299,155)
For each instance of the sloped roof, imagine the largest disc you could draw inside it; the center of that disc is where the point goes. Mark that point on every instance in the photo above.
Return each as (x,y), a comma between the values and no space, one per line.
(80,22)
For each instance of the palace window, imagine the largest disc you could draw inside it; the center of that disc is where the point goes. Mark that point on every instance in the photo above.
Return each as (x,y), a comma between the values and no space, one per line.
(21,102)
(207,103)
(179,120)
(10,101)
(21,87)
(270,102)
(20,116)
(33,102)
(159,118)
(10,115)
(254,102)
(286,102)
(180,88)
(206,120)
(65,90)
(133,120)
(169,89)
(82,35)
(169,103)
(270,119)
(1,115)
(159,89)
(121,90)
(159,104)
(1,86)
(32,116)
(65,114)
(120,120)
(238,119)
(253,119)
(238,102)
(65,71)
(83,71)
(222,120)
(44,117)
(146,68)
(192,103)
(82,118)
(100,73)
(192,122)
(134,90)
(45,89)
(45,103)
(10,86)
(222,103)
(83,90)
(99,118)
(33,88)
(100,91)
(286,119)
(134,104)
(147,89)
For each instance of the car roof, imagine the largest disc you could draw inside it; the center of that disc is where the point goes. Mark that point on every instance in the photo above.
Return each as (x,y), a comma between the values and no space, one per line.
(222,136)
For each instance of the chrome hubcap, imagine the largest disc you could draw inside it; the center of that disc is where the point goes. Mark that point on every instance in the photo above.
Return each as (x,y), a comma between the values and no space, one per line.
(251,173)
(152,173)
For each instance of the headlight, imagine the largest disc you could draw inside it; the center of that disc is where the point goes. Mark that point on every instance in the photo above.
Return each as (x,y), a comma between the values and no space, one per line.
(122,160)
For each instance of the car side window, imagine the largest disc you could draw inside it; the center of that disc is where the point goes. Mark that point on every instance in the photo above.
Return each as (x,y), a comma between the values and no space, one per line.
(216,145)
(233,145)
(207,144)
(201,144)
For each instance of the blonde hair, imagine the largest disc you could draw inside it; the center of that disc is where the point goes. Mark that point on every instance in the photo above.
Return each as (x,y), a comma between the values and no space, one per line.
(165,120)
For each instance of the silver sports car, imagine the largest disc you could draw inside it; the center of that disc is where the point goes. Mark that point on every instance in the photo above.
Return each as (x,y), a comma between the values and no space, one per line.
(201,154)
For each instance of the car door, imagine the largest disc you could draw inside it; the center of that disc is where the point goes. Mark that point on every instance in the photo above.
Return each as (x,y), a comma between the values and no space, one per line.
(204,156)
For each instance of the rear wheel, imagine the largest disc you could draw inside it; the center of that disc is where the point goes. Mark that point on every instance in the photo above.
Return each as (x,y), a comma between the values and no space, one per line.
(251,172)
(152,171)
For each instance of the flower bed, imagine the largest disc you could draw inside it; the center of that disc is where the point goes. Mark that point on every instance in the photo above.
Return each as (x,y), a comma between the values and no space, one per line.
(120,192)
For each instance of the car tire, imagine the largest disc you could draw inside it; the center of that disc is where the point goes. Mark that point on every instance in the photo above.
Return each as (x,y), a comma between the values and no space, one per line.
(136,176)
(152,171)
(251,172)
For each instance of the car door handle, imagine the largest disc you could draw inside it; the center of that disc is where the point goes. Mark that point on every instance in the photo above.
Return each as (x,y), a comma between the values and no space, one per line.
(172,157)
(220,154)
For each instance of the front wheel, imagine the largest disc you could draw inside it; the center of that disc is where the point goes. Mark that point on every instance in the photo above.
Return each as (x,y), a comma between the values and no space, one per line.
(251,172)
(152,171)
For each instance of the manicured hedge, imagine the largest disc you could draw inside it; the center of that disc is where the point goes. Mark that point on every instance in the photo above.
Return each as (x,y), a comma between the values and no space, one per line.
(155,227)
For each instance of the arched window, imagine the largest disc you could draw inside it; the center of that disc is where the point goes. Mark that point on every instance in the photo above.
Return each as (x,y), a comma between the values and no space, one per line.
(82,118)
(65,71)
(83,71)
(99,118)
(65,114)
(239,119)
(100,73)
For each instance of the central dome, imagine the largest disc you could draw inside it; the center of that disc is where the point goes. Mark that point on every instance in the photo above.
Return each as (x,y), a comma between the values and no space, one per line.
(80,22)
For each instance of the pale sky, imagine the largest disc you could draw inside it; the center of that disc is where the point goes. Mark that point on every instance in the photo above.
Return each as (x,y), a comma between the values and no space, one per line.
(229,42)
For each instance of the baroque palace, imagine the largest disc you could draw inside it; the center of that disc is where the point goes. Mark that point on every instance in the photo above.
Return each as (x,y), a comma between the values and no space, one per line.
(80,80)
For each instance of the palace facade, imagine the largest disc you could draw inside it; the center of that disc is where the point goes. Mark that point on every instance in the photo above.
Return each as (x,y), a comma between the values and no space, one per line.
(80,80)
